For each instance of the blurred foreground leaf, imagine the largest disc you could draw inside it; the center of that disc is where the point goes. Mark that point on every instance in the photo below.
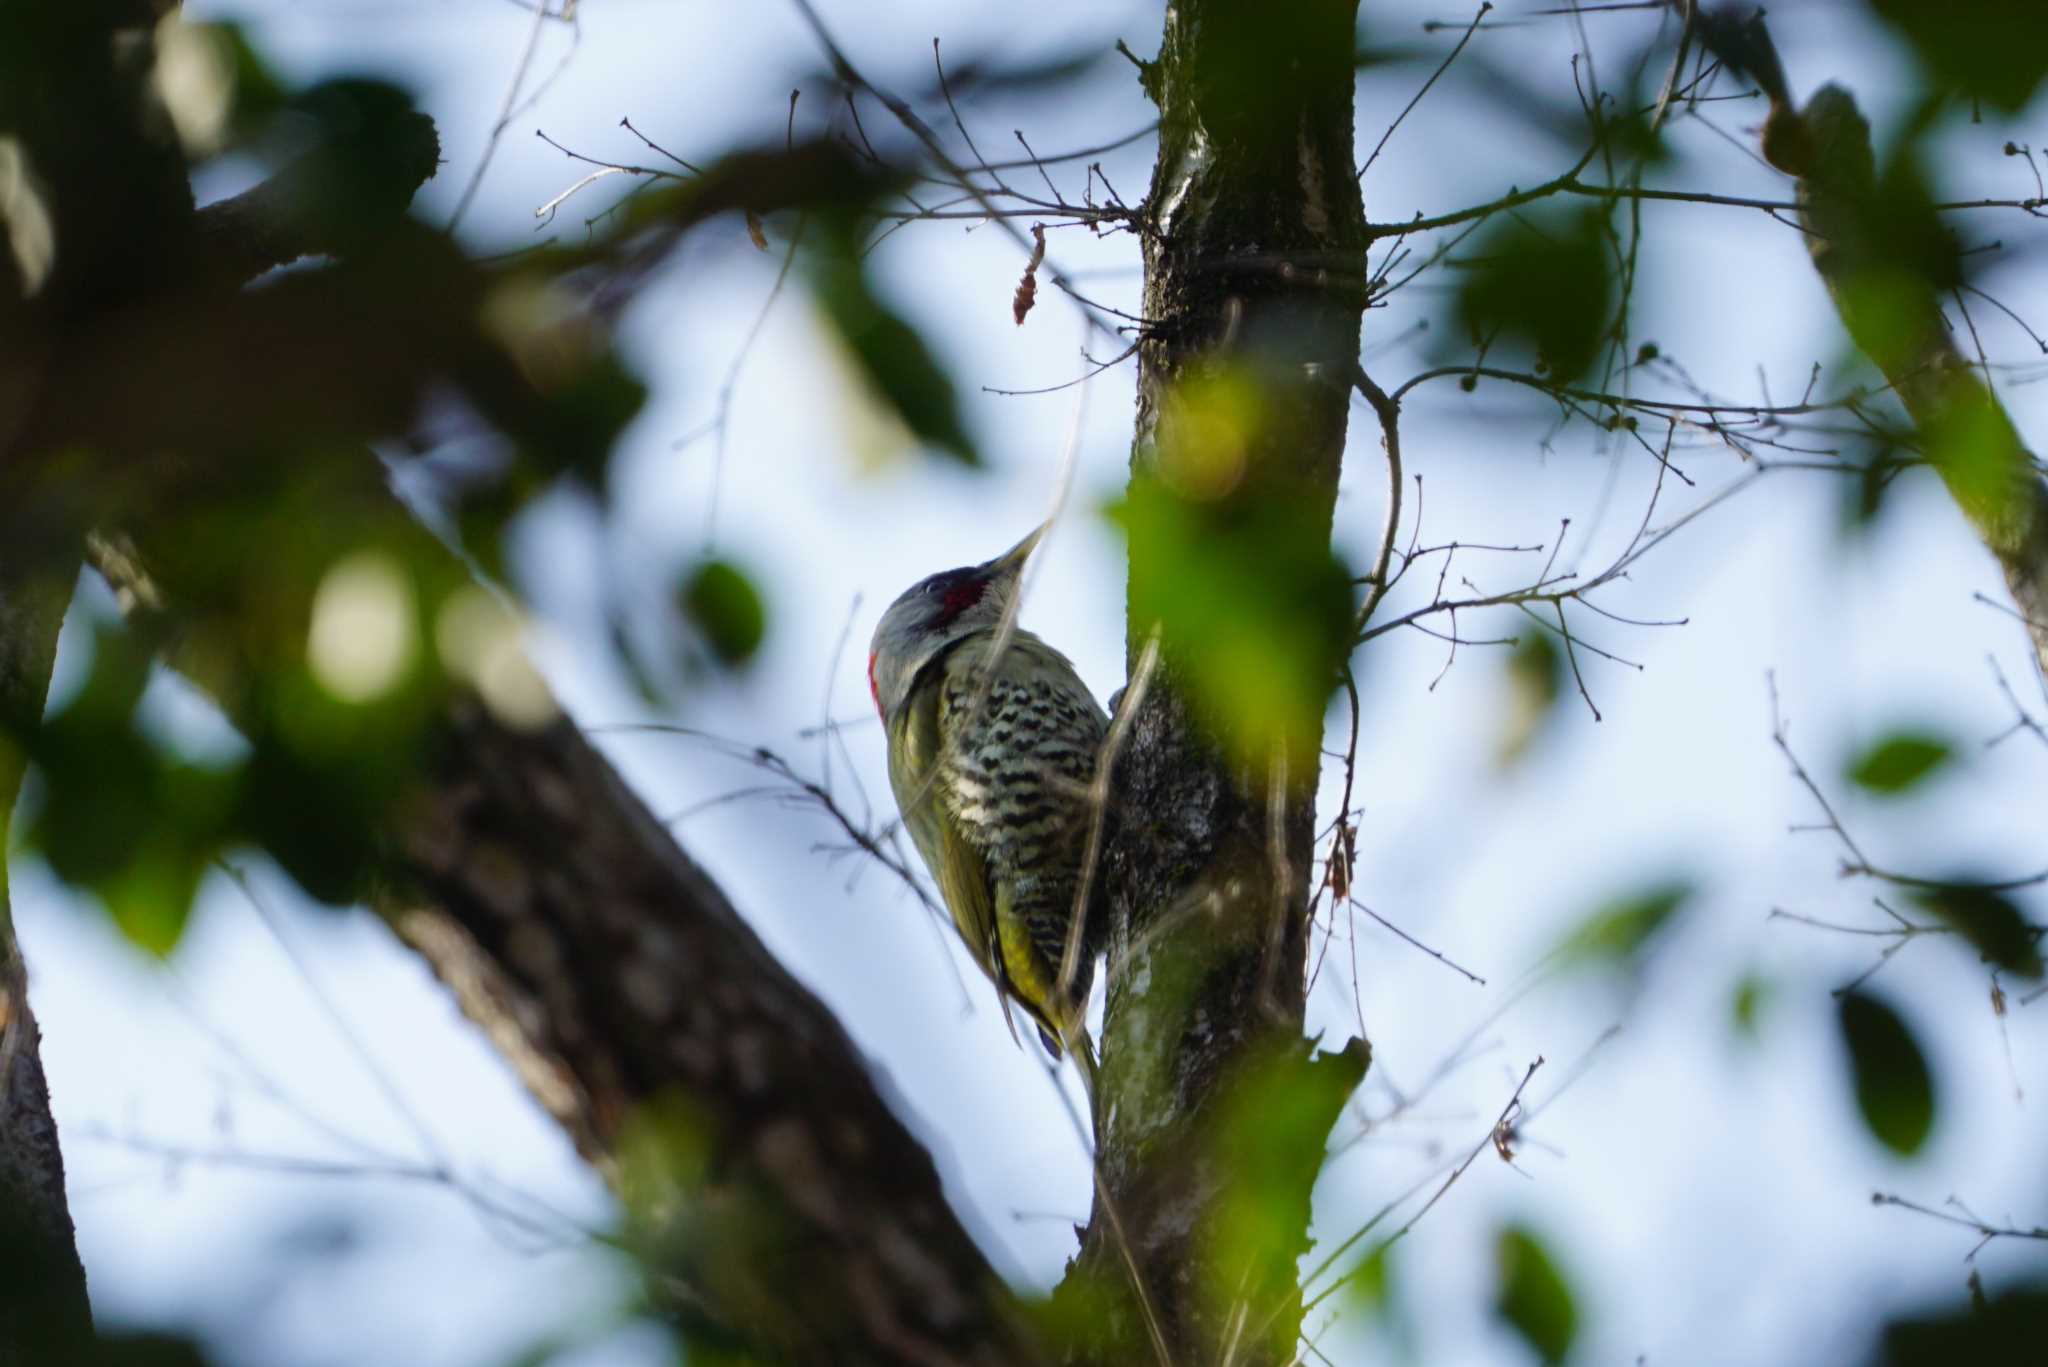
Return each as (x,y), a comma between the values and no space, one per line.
(1542,280)
(1535,673)
(1989,920)
(725,606)
(1255,606)
(1533,1296)
(1753,994)
(1894,1090)
(1996,50)
(1899,761)
(119,816)
(2008,1328)
(891,353)
(1619,931)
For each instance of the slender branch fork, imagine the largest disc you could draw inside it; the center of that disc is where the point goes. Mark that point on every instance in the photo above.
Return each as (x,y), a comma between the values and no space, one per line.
(1901,930)
(1962,1215)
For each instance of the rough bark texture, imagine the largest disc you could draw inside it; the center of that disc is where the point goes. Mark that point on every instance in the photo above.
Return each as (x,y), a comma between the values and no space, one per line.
(778,1202)
(777,1196)
(1254,233)
(42,1284)
(69,77)
(783,1206)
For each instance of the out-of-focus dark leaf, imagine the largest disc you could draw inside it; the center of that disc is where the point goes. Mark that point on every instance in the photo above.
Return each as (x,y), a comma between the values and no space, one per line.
(1899,761)
(316,819)
(1894,1089)
(577,423)
(822,176)
(1996,50)
(723,604)
(1533,1297)
(891,354)
(368,148)
(2008,1328)
(118,816)
(1990,921)
(258,93)
(998,73)
(1543,281)
(1535,677)
(1864,496)
(1619,932)
(1254,604)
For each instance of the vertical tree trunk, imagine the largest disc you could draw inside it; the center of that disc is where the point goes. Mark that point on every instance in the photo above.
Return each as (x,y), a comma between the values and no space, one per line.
(1254,256)
(43,1302)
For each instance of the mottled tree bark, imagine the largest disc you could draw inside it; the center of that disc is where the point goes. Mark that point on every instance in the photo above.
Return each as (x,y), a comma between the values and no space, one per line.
(1254,239)
(44,1311)
(776,1196)
(779,1204)
(782,1205)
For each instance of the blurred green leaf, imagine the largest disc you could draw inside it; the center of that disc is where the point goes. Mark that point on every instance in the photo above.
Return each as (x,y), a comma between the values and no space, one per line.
(1990,921)
(1543,280)
(119,816)
(1254,606)
(1899,761)
(1535,670)
(1894,1089)
(1533,1296)
(259,93)
(1753,994)
(890,353)
(1619,931)
(1996,50)
(1371,1283)
(725,606)
(579,420)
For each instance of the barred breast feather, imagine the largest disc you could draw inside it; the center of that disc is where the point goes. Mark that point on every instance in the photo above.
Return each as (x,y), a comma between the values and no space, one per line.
(1009,750)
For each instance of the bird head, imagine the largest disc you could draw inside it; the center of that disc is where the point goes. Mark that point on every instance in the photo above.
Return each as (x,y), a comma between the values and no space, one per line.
(934,613)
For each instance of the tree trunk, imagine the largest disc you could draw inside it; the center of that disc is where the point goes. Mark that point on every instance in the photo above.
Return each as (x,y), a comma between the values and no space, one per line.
(1254,238)
(44,1312)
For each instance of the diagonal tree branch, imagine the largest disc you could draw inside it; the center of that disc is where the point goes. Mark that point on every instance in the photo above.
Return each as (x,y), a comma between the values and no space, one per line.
(1886,263)
(779,1203)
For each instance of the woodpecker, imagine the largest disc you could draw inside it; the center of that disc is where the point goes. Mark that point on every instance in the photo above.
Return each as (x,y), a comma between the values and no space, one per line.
(993,740)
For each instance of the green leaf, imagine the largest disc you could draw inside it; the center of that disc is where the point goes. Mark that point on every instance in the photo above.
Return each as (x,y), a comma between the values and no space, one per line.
(1899,761)
(1752,996)
(1993,49)
(725,606)
(1254,607)
(1894,1089)
(1371,1283)
(890,353)
(1542,280)
(119,816)
(1990,921)
(1535,673)
(1533,1296)
(1622,929)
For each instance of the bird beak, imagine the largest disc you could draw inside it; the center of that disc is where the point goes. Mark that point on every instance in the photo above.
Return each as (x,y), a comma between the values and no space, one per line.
(1011,562)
